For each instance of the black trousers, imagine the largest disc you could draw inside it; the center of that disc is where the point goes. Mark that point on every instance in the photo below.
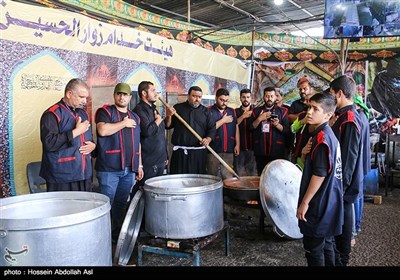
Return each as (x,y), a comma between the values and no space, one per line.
(319,251)
(343,241)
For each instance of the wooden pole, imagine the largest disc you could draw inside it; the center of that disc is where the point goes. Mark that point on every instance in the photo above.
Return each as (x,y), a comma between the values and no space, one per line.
(227,166)
(344,44)
(252,64)
(188,3)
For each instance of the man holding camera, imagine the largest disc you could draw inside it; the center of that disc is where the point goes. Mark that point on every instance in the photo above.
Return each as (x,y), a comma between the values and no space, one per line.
(270,126)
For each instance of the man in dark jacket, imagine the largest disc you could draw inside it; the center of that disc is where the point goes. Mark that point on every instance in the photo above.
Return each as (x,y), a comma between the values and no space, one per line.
(346,124)
(244,162)
(189,154)
(67,141)
(152,132)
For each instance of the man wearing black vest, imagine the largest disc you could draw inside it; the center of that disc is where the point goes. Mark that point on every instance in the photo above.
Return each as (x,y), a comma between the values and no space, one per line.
(67,141)
(346,124)
(226,141)
(119,161)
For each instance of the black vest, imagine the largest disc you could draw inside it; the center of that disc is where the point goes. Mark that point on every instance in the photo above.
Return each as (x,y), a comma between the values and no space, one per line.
(325,213)
(68,165)
(110,149)
(270,144)
(224,140)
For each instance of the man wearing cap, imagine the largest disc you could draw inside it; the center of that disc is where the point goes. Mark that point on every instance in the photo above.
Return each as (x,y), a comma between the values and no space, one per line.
(119,162)
(67,141)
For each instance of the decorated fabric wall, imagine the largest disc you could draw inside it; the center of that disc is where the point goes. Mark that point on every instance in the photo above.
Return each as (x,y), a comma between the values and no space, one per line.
(42,49)
(285,76)
(282,47)
(266,46)
(380,88)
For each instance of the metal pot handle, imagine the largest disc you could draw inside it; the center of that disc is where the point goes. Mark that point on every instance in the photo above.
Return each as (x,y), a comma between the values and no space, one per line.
(278,232)
(158,197)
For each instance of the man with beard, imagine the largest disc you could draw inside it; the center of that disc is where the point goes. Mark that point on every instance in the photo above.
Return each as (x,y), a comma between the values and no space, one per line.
(270,126)
(297,117)
(244,163)
(119,161)
(299,106)
(189,155)
(152,133)
(226,141)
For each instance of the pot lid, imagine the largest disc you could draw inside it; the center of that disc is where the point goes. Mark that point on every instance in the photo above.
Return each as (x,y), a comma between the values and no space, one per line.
(279,194)
(130,229)
(183,184)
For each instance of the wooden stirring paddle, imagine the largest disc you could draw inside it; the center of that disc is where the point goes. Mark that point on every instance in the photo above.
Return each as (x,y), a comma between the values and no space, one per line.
(246,184)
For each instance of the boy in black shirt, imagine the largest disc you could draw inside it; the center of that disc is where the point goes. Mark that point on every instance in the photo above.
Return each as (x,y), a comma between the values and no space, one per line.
(320,205)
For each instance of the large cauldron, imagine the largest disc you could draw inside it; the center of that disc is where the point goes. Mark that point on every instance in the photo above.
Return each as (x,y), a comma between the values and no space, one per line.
(55,229)
(183,206)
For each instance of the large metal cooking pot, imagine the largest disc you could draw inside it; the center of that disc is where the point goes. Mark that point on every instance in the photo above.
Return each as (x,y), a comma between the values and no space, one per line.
(235,189)
(183,206)
(55,229)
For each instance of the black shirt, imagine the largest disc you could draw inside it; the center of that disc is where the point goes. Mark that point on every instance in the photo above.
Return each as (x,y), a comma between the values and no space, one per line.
(152,136)
(198,118)
(297,107)
(347,129)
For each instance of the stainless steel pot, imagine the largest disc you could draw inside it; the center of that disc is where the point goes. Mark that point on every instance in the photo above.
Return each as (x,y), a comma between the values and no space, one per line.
(55,229)
(183,206)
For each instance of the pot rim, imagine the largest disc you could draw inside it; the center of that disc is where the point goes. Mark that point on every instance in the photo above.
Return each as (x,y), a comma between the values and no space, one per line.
(155,184)
(100,206)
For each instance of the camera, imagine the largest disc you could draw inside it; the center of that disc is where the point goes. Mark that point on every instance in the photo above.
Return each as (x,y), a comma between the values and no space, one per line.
(273,116)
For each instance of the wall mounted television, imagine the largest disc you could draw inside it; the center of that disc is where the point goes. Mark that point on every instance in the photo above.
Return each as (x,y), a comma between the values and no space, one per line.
(362,18)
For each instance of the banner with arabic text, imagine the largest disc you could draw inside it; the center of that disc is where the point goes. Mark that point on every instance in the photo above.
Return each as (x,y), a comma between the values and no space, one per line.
(42,49)
(61,29)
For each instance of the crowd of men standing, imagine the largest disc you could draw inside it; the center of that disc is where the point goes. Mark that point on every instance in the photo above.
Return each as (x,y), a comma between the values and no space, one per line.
(132,147)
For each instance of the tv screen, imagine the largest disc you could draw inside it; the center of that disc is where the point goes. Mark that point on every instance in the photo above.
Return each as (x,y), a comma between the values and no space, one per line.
(362,18)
